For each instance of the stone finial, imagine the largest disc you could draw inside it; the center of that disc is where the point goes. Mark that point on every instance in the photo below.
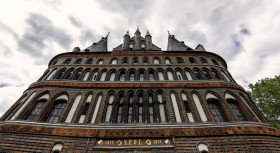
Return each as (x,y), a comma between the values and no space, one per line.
(200,48)
(76,49)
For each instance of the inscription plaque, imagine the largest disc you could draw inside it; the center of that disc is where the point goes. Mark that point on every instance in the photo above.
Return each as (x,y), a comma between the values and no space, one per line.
(133,143)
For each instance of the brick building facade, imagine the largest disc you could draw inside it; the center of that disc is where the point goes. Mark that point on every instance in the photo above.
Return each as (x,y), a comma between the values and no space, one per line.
(136,98)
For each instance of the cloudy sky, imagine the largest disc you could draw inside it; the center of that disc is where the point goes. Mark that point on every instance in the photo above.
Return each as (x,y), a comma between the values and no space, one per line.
(245,33)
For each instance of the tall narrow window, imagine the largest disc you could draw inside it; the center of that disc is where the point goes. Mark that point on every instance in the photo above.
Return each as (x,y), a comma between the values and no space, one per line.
(103,76)
(175,108)
(161,108)
(51,74)
(151,76)
(151,114)
(179,75)
(86,76)
(56,111)
(225,76)
(85,109)
(73,109)
(189,76)
(60,74)
(187,108)
(216,110)
(130,114)
(198,75)
(36,110)
(94,77)
(77,74)
(140,108)
(122,77)
(131,77)
(112,76)
(237,112)
(96,109)
(216,75)
(170,75)
(141,76)
(160,76)
(68,74)
(207,74)
(120,110)
(109,108)
(199,108)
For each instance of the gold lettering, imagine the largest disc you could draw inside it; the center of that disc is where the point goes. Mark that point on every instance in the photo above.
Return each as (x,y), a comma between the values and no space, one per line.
(119,142)
(148,142)
(125,142)
(140,142)
(135,141)
(129,142)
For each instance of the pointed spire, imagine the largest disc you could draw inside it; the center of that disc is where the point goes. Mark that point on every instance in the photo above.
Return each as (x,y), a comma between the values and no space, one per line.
(137,31)
(107,35)
(100,46)
(148,33)
(176,45)
(127,33)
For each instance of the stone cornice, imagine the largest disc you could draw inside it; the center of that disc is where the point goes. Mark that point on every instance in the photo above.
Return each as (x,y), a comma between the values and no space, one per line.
(154,84)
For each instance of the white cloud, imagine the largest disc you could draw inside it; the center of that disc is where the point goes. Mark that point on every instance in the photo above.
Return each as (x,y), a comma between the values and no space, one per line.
(216,24)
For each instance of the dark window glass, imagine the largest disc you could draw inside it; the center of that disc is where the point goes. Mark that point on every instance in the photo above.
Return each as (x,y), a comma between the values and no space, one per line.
(141,77)
(208,76)
(120,111)
(78,74)
(131,99)
(56,112)
(237,112)
(140,114)
(150,99)
(36,110)
(60,74)
(89,61)
(122,77)
(125,61)
(78,61)
(203,60)
(180,60)
(67,61)
(131,78)
(215,74)
(135,60)
(69,74)
(151,76)
(192,60)
(130,115)
(145,60)
(198,75)
(85,109)
(187,107)
(151,112)
(215,62)
(216,110)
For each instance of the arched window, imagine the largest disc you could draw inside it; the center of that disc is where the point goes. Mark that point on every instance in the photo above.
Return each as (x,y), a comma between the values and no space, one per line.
(167,60)
(189,76)
(202,148)
(36,110)
(207,74)
(216,110)
(60,74)
(132,77)
(203,60)
(145,60)
(130,109)
(73,109)
(141,76)
(199,108)
(161,108)
(175,108)
(114,61)
(89,61)
(225,76)
(197,74)
(109,108)
(215,62)
(170,75)
(151,109)
(151,76)
(103,76)
(237,112)
(87,72)
(187,108)
(120,109)
(156,61)
(44,75)
(94,76)
(57,148)
(96,109)
(140,108)
(51,74)
(112,76)
(122,76)
(85,109)
(100,61)
(67,61)
(56,111)
(68,74)
(77,74)
(192,60)
(135,60)
(78,61)
(160,76)
(179,75)
(179,60)
(125,60)
(215,74)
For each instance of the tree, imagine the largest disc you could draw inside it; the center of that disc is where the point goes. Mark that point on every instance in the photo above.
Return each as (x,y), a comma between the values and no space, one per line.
(266,94)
